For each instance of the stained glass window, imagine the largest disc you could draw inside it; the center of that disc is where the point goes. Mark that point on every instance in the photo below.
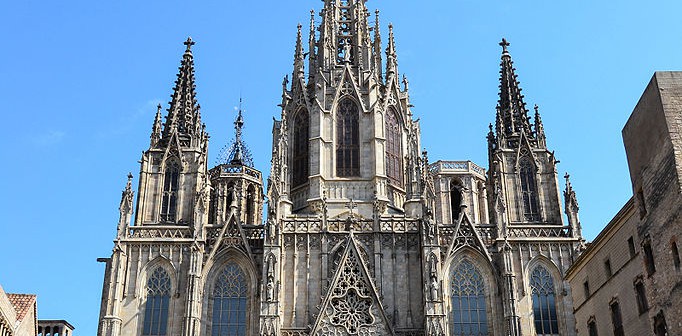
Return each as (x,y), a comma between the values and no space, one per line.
(299,164)
(230,302)
(394,149)
(468,313)
(544,302)
(347,139)
(529,192)
(170,192)
(156,308)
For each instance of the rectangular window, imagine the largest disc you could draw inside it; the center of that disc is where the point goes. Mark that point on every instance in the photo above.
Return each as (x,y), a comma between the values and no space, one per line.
(607,268)
(631,246)
(676,255)
(649,258)
(586,287)
(592,328)
(616,319)
(640,293)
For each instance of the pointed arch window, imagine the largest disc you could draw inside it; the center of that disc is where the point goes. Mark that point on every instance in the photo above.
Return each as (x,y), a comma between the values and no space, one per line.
(347,139)
(544,302)
(158,299)
(230,302)
(456,199)
(394,148)
(300,163)
(529,191)
(171,178)
(467,294)
(250,205)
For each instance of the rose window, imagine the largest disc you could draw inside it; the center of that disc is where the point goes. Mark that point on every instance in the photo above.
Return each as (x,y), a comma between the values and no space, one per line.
(352,312)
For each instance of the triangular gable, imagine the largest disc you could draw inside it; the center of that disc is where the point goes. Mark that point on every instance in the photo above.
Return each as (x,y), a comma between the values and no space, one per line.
(524,143)
(230,235)
(465,235)
(351,306)
(347,87)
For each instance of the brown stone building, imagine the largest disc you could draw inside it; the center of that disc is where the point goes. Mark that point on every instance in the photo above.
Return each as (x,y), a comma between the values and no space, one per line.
(18,314)
(629,280)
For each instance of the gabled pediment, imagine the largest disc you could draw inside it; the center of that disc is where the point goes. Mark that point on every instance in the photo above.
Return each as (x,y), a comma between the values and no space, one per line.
(352,305)
(465,235)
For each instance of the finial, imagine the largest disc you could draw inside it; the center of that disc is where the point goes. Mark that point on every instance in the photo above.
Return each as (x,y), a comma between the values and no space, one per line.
(504,45)
(567,177)
(189,43)
(130,176)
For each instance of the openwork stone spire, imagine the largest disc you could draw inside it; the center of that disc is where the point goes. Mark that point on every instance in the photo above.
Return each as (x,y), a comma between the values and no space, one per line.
(237,153)
(512,113)
(183,115)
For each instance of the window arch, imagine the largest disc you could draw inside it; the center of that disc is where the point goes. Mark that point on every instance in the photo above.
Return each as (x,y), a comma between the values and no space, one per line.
(394,148)
(347,139)
(468,306)
(158,299)
(230,303)
(300,164)
(544,302)
(456,199)
(171,184)
(250,205)
(529,191)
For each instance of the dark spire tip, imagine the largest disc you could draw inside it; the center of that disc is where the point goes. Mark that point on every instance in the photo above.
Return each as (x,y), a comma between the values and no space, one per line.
(504,44)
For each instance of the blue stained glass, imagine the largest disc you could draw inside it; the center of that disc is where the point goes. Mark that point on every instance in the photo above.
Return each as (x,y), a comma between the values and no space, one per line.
(156,309)
(468,307)
(544,302)
(229,302)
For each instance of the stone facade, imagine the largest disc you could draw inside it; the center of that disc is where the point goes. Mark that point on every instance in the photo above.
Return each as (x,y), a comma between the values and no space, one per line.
(641,241)
(18,314)
(363,235)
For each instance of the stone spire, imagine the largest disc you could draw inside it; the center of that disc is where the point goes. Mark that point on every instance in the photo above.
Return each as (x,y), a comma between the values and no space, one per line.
(156,128)
(299,70)
(391,56)
(571,207)
(344,34)
(377,44)
(539,129)
(513,116)
(183,116)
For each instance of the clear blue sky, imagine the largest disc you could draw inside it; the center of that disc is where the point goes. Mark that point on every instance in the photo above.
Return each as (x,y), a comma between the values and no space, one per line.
(80,80)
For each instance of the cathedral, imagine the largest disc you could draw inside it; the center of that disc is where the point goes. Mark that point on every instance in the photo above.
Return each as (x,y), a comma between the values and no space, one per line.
(355,231)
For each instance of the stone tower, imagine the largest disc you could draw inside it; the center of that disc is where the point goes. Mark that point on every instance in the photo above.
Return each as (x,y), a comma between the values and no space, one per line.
(533,248)
(191,224)
(346,189)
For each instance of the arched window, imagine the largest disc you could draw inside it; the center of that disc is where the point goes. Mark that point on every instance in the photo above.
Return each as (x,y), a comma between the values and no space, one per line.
(529,190)
(456,199)
(156,308)
(170,192)
(250,205)
(347,139)
(230,302)
(213,208)
(394,149)
(468,313)
(300,164)
(230,197)
(544,302)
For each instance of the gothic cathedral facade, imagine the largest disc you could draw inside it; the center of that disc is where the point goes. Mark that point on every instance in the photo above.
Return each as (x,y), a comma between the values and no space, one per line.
(362,234)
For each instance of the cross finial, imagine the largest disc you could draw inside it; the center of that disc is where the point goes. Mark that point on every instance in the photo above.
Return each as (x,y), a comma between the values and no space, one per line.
(504,45)
(351,205)
(189,43)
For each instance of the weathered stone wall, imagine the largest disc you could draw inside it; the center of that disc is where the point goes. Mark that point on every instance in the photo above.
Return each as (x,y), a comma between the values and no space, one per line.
(653,143)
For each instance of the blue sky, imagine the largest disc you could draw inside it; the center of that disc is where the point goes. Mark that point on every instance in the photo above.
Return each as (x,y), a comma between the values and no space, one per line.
(80,80)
